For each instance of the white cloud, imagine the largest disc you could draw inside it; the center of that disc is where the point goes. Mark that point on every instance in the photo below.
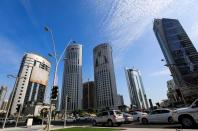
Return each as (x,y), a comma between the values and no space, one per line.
(161,73)
(125,21)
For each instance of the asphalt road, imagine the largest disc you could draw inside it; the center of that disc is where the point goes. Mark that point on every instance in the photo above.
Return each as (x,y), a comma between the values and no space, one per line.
(131,125)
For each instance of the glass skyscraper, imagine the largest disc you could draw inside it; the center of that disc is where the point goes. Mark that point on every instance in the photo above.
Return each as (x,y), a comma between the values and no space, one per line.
(104,77)
(136,89)
(180,54)
(72,78)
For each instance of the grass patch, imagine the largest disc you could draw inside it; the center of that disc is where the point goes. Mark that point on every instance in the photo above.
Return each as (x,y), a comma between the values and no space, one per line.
(85,129)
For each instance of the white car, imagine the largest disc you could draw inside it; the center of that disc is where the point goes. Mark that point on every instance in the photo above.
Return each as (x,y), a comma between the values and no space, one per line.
(70,119)
(188,116)
(158,116)
(128,118)
(110,118)
(137,115)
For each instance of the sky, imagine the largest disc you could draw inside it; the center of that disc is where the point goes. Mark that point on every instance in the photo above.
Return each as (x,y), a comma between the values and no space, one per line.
(126,24)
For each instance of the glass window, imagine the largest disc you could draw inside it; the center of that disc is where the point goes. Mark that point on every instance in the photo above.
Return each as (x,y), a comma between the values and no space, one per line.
(105,113)
(175,46)
(196,104)
(111,112)
(164,111)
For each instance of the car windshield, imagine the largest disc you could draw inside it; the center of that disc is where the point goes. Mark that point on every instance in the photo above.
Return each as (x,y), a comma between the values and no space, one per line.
(118,112)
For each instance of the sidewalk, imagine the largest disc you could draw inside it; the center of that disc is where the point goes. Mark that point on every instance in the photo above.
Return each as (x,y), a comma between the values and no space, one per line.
(40,128)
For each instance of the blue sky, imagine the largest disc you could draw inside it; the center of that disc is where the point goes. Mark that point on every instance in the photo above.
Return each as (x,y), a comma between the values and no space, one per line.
(125,24)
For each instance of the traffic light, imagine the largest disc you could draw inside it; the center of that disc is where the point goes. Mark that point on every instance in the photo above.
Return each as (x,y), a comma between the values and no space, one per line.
(54,92)
(18,107)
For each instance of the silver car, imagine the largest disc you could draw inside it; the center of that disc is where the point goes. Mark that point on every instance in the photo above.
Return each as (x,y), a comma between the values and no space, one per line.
(110,118)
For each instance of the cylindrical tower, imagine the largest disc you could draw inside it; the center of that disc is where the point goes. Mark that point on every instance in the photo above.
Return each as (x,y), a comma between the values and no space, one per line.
(33,80)
(72,78)
(106,91)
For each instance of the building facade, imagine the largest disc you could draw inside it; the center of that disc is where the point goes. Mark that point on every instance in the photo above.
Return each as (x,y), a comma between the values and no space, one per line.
(4,105)
(104,77)
(32,83)
(72,78)
(172,95)
(120,100)
(89,95)
(180,54)
(3,92)
(136,89)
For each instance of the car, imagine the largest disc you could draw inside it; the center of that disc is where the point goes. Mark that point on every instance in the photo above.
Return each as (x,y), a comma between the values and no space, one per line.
(128,118)
(70,119)
(137,115)
(158,116)
(188,116)
(8,121)
(110,117)
(36,121)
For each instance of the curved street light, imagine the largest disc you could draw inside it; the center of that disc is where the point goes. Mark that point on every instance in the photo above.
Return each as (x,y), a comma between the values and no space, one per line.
(57,61)
(11,98)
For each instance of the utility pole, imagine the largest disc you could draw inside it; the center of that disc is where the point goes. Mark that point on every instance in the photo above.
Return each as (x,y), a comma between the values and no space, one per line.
(88,95)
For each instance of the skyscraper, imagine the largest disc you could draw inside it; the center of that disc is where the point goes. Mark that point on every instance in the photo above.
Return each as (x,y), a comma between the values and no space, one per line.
(136,89)
(106,91)
(89,95)
(3,92)
(120,100)
(179,52)
(72,78)
(32,83)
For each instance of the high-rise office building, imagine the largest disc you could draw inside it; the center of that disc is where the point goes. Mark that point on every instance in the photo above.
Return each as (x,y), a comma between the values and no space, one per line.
(4,105)
(180,54)
(72,78)
(120,100)
(32,83)
(3,92)
(173,95)
(136,89)
(89,95)
(106,91)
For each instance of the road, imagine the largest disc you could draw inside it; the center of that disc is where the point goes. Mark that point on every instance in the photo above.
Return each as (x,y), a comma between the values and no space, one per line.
(131,125)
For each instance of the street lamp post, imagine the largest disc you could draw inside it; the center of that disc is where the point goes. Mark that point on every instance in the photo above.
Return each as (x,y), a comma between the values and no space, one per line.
(57,61)
(12,96)
(65,111)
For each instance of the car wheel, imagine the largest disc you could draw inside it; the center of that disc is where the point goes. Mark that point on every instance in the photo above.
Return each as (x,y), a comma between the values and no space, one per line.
(170,120)
(94,123)
(144,121)
(138,119)
(187,122)
(109,123)
(119,124)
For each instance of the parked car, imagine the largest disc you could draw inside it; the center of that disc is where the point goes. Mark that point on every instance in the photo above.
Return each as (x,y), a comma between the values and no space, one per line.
(8,121)
(137,115)
(188,116)
(70,119)
(110,118)
(128,118)
(158,116)
(36,120)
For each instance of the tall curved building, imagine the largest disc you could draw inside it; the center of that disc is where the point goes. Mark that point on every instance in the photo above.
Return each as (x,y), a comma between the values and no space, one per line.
(32,83)
(106,91)
(72,78)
